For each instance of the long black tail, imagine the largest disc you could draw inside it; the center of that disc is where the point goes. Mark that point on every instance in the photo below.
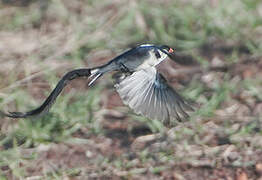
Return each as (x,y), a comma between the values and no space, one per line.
(52,97)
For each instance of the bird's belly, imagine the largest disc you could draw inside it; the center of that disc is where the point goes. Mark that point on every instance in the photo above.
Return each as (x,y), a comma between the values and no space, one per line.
(143,65)
(146,64)
(136,65)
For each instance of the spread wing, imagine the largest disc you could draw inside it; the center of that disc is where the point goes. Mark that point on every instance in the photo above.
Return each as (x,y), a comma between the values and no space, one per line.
(147,93)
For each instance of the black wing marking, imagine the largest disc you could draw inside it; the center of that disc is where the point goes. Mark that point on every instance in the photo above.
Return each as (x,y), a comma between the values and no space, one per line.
(147,93)
(52,97)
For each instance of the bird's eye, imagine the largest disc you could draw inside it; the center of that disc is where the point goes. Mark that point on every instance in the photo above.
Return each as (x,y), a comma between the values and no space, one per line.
(157,54)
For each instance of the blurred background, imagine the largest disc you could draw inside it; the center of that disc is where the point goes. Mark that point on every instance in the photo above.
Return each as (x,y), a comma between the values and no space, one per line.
(88,133)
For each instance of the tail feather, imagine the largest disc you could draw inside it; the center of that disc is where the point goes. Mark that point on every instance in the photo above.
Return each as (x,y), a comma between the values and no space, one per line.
(93,73)
(52,97)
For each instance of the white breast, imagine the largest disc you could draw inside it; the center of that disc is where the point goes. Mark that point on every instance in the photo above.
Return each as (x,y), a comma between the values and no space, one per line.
(150,62)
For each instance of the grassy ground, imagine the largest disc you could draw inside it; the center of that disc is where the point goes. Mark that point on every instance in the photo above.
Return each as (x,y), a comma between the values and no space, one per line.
(89,134)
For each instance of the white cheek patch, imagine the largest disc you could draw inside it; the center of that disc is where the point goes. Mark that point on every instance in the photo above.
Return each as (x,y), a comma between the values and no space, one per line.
(152,60)
(163,57)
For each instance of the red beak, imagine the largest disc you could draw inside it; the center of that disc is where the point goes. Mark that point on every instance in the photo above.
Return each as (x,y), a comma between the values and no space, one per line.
(171,50)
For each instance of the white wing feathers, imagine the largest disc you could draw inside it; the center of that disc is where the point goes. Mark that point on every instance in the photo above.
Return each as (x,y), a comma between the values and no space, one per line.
(147,93)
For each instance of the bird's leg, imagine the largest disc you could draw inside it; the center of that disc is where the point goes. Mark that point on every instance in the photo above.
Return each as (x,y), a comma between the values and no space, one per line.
(124,69)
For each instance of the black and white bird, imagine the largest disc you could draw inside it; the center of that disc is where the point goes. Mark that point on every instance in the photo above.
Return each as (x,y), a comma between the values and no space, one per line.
(138,83)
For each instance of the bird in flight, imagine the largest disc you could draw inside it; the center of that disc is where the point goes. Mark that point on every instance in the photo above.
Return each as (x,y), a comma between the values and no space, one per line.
(138,83)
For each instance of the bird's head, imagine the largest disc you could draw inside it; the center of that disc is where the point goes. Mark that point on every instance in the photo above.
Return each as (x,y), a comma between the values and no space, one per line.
(166,49)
